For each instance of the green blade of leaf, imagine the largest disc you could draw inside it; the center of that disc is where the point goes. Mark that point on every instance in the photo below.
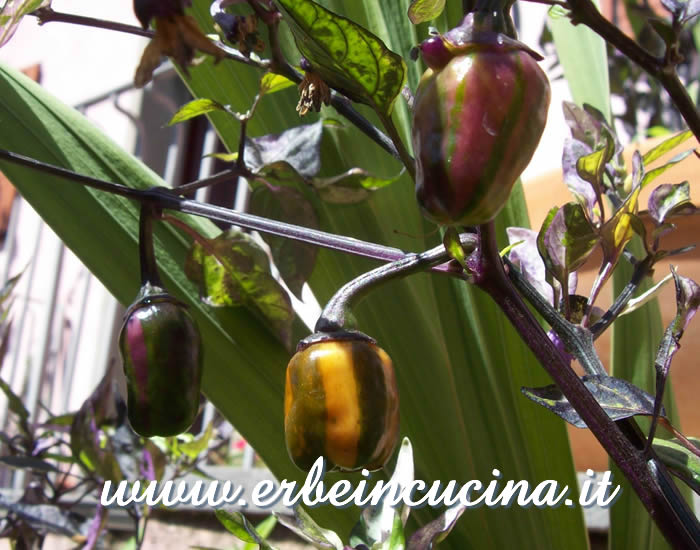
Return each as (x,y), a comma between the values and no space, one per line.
(272,83)
(665,146)
(347,56)
(196,107)
(425,10)
(236,523)
(680,460)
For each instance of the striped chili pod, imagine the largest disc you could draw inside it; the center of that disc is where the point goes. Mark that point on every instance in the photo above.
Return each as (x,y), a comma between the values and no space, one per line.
(479,113)
(341,402)
(161,349)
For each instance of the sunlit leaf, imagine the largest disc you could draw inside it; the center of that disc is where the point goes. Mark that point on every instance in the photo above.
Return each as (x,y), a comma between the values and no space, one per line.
(378,524)
(583,191)
(567,242)
(195,447)
(352,186)
(347,56)
(669,199)
(618,398)
(651,175)
(304,526)
(232,270)
(194,108)
(236,523)
(680,460)
(272,83)
(12,12)
(294,260)
(421,11)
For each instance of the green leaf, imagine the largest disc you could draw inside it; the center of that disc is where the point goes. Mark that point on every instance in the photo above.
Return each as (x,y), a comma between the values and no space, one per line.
(304,526)
(15,403)
(12,12)
(264,528)
(651,175)
(680,460)
(272,83)
(193,448)
(583,56)
(236,523)
(347,56)
(568,241)
(194,108)
(618,398)
(294,260)
(421,11)
(382,525)
(232,270)
(350,187)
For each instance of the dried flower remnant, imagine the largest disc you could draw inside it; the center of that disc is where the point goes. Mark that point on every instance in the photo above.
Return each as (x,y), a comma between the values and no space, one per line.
(176,35)
(312,92)
(241,31)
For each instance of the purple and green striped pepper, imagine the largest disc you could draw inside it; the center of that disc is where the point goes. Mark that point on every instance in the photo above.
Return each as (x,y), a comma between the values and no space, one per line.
(161,349)
(479,112)
(341,402)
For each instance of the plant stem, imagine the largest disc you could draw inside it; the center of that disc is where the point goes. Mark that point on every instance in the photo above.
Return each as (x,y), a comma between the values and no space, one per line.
(333,317)
(47,15)
(649,479)
(165,198)
(147,254)
(584,11)
(404,155)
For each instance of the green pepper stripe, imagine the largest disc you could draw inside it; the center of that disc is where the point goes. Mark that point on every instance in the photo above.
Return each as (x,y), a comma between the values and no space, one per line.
(372,399)
(306,426)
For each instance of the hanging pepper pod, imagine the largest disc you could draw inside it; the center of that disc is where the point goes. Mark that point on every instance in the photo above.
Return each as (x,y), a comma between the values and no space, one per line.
(479,112)
(161,348)
(341,402)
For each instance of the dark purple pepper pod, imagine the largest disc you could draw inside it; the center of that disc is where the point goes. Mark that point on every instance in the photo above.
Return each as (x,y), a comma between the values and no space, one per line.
(161,349)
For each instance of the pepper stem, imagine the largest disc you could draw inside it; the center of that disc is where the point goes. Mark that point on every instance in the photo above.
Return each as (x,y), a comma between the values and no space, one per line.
(334,315)
(147,255)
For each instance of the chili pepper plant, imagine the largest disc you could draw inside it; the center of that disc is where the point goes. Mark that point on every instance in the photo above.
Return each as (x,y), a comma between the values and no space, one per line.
(399,186)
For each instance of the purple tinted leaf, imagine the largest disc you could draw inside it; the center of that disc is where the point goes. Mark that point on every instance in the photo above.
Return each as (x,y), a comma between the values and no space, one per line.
(48,517)
(687,303)
(668,199)
(294,260)
(300,147)
(436,531)
(675,7)
(569,240)
(584,126)
(28,463)
(103,406)
(233,270)
(619,399)
(526,258)
(96,526)
(637,169)
(582,190)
